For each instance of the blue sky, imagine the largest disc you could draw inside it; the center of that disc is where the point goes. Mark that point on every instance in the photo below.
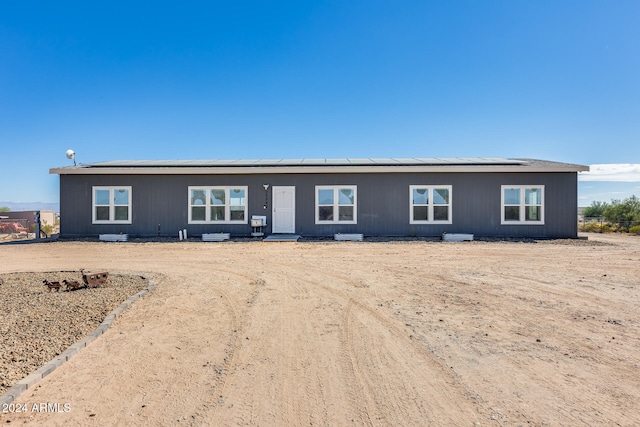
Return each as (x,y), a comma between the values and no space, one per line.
(555,80)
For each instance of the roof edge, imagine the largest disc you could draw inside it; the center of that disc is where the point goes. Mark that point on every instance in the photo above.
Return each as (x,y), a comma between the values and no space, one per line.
(238,170)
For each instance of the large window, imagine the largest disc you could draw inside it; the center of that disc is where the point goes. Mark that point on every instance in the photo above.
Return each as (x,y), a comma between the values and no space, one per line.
(522,204)
(111,205)
(217,205)
(336,204)
(430,204)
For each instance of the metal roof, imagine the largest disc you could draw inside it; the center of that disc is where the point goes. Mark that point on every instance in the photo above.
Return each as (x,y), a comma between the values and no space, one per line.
(320,165)
(309,162)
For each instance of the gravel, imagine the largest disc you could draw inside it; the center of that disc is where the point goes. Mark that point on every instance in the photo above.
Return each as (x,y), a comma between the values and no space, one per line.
(36,325)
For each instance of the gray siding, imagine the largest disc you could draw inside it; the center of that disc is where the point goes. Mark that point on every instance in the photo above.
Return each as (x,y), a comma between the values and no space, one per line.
(383,203)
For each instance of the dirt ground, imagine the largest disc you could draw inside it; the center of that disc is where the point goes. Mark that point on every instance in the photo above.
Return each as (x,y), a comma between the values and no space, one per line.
(353,333)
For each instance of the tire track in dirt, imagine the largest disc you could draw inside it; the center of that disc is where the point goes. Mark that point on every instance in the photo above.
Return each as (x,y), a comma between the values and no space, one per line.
(370,341)
(358,388)
(208,371)
(492,408)
(278,378)
(238,306)
(231,351)
(220,370)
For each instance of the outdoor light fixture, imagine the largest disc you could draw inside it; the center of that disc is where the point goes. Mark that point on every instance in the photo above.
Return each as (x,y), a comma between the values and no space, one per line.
(71,155)
(266,195)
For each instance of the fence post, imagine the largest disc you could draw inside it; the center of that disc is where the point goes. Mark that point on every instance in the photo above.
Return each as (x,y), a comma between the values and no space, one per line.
(36,219)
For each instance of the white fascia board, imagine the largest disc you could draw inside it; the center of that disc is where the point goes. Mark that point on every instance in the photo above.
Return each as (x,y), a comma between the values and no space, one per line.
(238,170)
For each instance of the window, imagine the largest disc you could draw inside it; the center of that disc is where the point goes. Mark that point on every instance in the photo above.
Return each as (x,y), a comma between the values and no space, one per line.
(217,205)
(430,204)
(111,205)
(336,205)
(523,204)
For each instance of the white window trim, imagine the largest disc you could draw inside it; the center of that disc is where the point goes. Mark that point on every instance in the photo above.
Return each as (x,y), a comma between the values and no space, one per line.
(112,205)
(227,205)
(522,189)
(336,216)
(431,205)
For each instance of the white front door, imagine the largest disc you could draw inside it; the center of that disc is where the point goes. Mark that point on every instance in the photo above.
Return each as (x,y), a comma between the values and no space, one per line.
(284,210)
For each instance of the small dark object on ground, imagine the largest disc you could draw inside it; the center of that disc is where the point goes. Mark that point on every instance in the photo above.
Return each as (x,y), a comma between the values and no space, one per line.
(52,285)
(72,285)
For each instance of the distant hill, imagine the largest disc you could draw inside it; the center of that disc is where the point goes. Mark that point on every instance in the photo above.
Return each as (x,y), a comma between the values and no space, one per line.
(31,206)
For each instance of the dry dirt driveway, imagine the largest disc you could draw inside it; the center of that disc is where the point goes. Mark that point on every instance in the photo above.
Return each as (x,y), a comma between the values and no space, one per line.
(337,333)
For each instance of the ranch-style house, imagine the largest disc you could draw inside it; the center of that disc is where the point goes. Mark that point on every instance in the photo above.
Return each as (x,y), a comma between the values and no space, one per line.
(418,197)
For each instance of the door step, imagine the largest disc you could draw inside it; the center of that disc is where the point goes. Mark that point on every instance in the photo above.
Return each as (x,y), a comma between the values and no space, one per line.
(282,238)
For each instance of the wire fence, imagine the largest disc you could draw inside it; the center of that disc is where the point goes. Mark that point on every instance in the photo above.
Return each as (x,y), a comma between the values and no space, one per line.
(601,225)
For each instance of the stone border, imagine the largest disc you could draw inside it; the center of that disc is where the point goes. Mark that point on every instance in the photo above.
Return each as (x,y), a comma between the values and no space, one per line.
(32,379)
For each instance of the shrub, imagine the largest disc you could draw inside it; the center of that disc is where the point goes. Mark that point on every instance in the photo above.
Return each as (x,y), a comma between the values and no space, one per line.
(623,213)
(48,229)
(596,227)
(635,229)
(596,210)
